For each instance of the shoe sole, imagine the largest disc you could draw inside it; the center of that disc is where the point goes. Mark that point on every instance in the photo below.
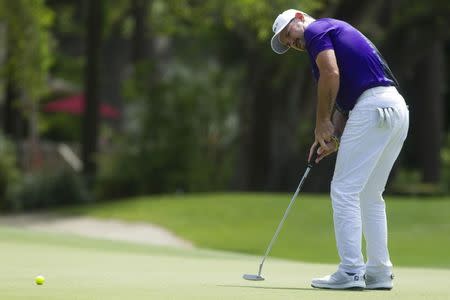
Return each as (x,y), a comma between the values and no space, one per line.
(380,289)
(383,286)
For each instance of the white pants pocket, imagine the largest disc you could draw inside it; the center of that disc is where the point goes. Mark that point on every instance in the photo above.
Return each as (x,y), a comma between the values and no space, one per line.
(386,117)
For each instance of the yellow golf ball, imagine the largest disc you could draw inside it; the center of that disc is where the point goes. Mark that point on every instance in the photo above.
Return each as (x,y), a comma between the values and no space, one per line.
(39,280)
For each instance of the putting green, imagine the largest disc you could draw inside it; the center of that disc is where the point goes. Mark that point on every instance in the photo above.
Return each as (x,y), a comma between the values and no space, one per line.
(81,268)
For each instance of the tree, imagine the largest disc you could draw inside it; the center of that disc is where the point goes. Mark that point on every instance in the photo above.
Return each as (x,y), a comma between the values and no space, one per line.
(169,46)
(422,75)
(140,33)
(94,26)
(27,41)
(272,89)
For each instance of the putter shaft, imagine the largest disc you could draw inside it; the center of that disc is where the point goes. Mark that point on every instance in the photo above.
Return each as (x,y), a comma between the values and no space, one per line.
(269,248)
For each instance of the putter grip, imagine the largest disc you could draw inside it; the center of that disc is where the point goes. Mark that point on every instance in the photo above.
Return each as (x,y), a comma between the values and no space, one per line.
(312,162)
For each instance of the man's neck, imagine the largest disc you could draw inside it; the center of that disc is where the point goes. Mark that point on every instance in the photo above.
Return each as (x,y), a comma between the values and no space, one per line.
(308,20)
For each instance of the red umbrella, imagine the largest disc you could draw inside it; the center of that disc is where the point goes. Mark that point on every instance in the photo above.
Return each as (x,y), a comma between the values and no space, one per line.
(75,105)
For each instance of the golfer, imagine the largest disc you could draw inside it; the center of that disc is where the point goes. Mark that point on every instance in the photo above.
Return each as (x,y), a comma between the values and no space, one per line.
(361,115)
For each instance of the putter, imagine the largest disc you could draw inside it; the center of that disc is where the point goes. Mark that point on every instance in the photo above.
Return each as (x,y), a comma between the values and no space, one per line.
(258,277)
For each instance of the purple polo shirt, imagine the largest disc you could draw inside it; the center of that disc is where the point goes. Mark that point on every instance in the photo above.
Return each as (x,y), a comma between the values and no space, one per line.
(361,66)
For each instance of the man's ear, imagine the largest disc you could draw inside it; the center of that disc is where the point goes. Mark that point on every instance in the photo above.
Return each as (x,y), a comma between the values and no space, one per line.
(300,16)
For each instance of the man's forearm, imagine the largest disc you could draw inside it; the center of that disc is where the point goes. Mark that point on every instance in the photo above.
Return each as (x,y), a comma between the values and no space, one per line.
(339,120)
(328,86)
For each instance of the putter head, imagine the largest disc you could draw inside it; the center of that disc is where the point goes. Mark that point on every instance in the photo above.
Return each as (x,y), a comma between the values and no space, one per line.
(253,277)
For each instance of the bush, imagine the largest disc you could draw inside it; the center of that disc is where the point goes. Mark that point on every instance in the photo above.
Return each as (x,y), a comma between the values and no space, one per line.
(45,190)
(180,137)
(121,174)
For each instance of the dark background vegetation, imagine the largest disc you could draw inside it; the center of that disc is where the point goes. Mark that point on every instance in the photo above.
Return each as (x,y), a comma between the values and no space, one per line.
(205,105)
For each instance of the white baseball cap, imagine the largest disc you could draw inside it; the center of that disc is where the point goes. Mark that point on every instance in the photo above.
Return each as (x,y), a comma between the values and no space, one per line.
(280,22)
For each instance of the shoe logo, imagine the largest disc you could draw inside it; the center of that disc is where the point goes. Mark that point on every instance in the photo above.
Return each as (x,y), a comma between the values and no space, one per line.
(356,278)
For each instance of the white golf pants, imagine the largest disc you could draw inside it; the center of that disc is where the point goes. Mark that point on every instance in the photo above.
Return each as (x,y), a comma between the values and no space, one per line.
(370,144)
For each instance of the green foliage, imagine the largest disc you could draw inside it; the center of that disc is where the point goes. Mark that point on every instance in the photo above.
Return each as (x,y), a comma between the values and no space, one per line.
(65,18)
(425,13)
(9,171)
(182,134)
(61,127)
(118,12)
(408,181)
(258,16)
(70,68)
(182,138)
(46,189)
(29,44)
(252,18)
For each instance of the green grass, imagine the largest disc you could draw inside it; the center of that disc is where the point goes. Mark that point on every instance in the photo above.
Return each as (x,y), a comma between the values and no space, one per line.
(419,229)
(87,269)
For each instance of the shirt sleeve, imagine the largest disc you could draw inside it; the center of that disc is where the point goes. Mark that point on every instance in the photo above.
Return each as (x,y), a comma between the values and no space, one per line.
(317,38)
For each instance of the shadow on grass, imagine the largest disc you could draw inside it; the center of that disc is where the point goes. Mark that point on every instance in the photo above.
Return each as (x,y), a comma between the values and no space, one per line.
(290,288)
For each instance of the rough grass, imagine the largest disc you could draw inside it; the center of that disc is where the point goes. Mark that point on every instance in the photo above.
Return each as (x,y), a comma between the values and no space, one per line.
(419,229)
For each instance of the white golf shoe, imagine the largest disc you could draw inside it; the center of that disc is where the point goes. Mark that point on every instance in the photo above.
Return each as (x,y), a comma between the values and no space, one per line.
(379,282)
(340,281)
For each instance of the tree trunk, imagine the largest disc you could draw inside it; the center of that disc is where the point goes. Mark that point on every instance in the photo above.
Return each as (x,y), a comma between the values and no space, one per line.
(91,113)
(12,123)
(255,124)
(429,108)
(276,101)
(140,41)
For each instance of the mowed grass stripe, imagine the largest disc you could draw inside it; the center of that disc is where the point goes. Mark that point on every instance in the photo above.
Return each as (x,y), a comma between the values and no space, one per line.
(81,268)
(419,229)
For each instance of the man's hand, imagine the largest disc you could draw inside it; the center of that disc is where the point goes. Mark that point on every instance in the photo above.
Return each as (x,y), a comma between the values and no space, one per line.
(332,146)
(332,141)
(323,132)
